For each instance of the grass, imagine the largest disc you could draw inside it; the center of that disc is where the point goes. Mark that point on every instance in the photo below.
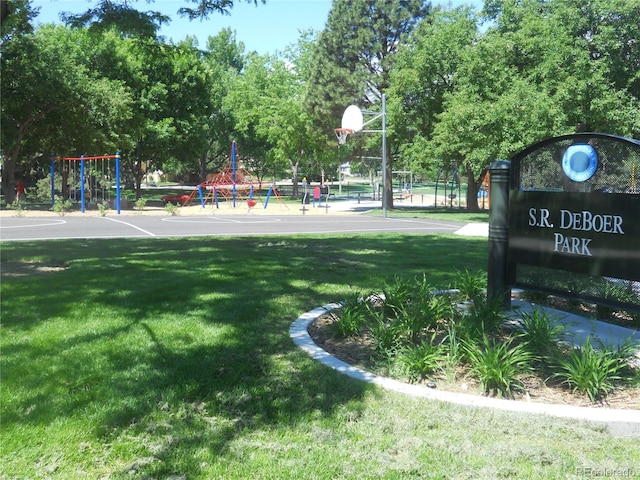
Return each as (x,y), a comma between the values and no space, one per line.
(170,358)
(439,213)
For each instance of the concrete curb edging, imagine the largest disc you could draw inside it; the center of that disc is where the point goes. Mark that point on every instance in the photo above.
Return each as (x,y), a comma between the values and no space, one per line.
(619,423)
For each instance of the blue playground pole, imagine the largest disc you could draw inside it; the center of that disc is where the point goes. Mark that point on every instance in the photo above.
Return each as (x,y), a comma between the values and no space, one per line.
(52,171)
(266,202)
(82,183)
(118,182)
(201,197)
(215,197)
(233,171)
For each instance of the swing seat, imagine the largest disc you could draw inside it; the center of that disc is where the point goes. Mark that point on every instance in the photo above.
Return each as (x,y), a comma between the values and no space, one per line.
(251,202)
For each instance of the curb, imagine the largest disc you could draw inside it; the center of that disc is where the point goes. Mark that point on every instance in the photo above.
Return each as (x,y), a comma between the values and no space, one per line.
(619,422)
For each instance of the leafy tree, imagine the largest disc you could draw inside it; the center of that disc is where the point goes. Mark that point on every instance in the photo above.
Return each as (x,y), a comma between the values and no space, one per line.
(52,102)
(354,56)
(541,69)
(108,14)
(169,85)
(15,18)
(425,72)
(225,59)
(268,103)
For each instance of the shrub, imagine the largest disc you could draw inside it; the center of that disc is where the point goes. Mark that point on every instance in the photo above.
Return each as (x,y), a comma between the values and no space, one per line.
(102,208)
(417,318)
(172,208)
(140,204)
(590,371)
(471,284)
(17,207)
(61,206)
(498,366)
(539,334)
(384,334)
(352,316)
(483,318)
(420,360)
(397,296)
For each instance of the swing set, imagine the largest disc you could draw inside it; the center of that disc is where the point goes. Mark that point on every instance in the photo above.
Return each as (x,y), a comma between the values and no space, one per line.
(76,177)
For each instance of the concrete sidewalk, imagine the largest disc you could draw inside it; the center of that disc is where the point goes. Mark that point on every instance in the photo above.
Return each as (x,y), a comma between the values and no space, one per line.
(579,329)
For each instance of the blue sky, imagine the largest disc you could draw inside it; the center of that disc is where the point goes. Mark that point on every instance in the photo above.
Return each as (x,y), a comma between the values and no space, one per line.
(265,28)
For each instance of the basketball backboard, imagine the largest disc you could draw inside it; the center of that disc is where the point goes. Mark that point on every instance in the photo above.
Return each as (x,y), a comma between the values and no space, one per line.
(352,118)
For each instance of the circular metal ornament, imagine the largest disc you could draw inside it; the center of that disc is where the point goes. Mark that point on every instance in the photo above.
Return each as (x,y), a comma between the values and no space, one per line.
(580,162)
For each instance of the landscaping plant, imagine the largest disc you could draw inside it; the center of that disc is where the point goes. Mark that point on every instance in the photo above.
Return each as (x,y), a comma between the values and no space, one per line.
(593,371)
(498,365)
(541,335)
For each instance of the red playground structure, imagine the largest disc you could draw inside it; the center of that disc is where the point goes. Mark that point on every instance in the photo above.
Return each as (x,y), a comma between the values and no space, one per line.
(232,183)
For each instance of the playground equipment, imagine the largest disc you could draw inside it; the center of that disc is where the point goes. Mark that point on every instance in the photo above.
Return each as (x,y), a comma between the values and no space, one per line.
(77,182)
(452,182)
(232,183)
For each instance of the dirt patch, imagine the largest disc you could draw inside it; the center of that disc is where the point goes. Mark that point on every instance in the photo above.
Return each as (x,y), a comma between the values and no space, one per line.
(14,269)
(360,352)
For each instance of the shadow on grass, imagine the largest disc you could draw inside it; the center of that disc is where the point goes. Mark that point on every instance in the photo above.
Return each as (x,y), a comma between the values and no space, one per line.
(173,343)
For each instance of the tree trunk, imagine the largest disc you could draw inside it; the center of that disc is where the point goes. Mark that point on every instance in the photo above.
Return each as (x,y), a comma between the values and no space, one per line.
(203,166)
(294,177)
(9,181)
(11,157)
(473,186)
(388,187)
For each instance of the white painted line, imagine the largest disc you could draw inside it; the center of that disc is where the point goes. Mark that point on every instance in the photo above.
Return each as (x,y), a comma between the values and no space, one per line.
(48,224)
(218,220)
(130,225)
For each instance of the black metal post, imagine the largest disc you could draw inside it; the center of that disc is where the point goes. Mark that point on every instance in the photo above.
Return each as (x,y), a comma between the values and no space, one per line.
(497,281)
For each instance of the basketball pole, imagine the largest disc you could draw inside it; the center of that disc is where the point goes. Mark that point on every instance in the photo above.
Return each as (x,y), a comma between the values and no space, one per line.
(384,155)
(351,125)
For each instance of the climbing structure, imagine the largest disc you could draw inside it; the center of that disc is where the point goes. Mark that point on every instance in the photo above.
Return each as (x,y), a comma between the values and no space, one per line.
(232,183)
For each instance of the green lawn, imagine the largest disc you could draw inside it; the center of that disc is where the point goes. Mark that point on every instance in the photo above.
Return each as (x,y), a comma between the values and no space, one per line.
(170,358)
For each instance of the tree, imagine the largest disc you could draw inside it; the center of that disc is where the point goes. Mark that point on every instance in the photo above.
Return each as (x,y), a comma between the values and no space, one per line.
(543,68)
(52,102)
(354,56)
(268,103)
(120,13)
(225,59)
(169,85)
(424,73)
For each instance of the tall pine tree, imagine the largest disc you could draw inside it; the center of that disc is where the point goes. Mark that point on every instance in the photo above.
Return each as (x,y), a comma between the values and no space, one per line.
(354,56)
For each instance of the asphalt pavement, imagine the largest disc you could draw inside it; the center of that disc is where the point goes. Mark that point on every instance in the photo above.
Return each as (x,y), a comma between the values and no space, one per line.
(93,225)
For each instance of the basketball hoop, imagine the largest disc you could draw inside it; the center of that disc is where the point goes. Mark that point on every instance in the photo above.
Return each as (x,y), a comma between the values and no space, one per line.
(342,134)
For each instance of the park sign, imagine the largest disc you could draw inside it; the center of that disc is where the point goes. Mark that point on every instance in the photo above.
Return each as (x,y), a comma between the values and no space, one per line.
(574,218)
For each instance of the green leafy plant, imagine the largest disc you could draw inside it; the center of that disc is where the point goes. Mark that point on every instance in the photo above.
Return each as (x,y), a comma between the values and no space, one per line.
(498,365)
(415,319)
(484,317)
(351,317)
(397,295)
(592,371)
(17,207)
(384,334)
(172,208)
(102,208)
(540,334)
(420,360)
(61,206)
(471,284)
(140,204)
